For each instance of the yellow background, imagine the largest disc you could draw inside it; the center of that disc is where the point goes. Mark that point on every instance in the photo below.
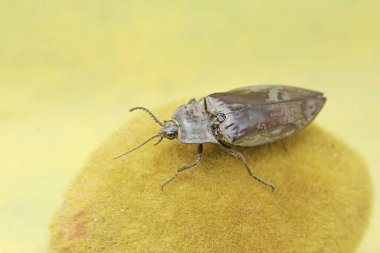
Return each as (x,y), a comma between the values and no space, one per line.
(70,70)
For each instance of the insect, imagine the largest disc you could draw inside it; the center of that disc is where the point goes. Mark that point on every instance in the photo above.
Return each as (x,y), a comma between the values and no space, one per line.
(247,117)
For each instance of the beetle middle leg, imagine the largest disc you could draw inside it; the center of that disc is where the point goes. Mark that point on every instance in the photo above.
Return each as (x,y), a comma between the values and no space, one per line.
(195,163)
(237,154)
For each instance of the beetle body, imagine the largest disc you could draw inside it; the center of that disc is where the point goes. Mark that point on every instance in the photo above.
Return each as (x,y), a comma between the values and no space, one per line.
(248,116)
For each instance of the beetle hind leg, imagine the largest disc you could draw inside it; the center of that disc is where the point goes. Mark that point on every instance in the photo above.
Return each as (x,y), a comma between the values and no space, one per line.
(237,154)
(192,165)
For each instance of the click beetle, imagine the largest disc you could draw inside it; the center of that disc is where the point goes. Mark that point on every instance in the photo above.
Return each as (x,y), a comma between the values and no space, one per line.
(247,117)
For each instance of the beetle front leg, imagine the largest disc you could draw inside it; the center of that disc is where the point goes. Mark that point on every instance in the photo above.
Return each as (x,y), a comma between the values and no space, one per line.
(237,154)
(195,163)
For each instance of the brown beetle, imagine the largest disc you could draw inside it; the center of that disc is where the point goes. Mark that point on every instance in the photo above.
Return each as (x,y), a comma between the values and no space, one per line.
(248,116)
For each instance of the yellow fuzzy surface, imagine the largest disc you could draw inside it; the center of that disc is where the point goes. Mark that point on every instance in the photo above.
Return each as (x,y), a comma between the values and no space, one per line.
(321,203)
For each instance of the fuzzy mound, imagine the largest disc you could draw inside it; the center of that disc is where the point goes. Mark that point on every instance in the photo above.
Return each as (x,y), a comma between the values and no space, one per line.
(321,202)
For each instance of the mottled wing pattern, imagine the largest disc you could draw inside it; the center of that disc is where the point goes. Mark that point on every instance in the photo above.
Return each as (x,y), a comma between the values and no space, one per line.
(257,115)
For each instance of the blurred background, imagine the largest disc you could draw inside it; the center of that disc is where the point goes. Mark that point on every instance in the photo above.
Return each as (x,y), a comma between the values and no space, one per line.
(70,70)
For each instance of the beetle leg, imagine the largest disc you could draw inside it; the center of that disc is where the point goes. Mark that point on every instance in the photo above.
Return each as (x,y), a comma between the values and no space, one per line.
(195,163)
(237,154)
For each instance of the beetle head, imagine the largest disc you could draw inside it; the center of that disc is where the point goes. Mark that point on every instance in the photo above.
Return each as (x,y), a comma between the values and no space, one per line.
(169,130)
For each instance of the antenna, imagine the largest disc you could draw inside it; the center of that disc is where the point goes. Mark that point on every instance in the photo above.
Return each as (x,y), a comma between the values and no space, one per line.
(149,112)
(145,142)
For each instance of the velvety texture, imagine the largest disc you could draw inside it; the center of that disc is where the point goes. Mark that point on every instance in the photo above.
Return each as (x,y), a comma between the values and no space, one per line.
(321,203)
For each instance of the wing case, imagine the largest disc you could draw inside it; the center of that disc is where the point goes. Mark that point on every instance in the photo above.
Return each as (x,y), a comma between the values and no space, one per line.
(256,115)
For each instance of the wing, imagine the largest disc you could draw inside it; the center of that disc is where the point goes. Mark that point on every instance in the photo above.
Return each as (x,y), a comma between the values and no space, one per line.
(256,115)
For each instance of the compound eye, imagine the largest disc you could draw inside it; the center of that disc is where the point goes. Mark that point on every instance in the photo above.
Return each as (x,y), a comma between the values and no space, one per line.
(170,135)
